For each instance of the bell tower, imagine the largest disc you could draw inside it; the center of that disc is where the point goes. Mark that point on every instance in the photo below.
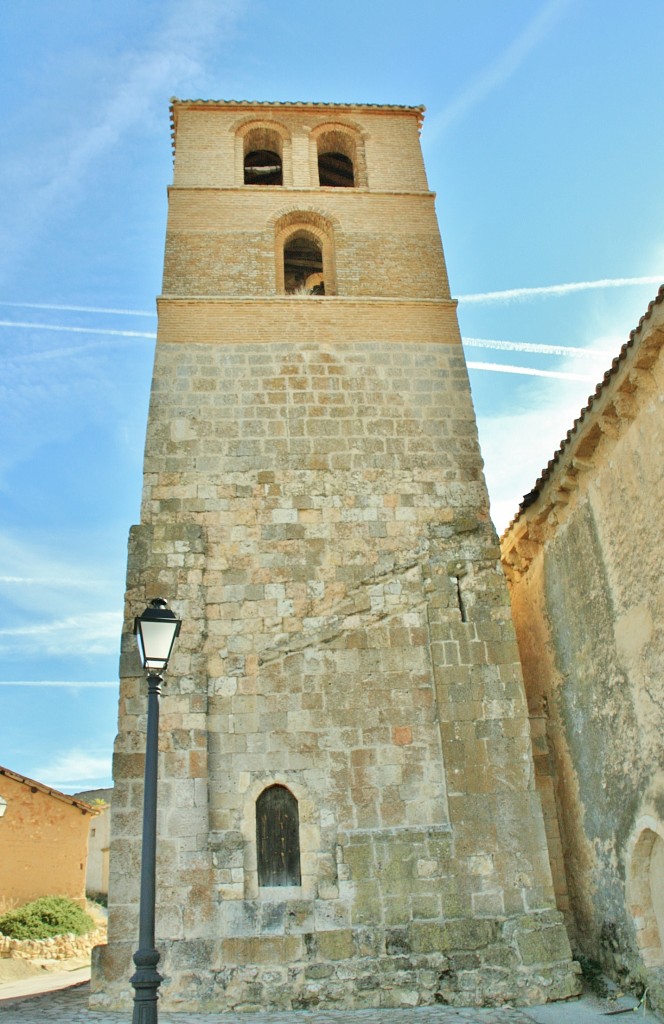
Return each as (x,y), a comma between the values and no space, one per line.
(347,811)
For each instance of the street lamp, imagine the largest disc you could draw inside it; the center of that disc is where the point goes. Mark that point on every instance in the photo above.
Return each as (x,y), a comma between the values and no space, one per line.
(156,630)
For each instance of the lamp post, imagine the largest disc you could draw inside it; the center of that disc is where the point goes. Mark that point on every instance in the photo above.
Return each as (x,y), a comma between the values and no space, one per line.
(156,630)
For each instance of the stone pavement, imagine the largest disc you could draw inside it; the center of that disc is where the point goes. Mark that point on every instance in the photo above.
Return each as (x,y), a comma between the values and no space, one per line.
(69,1006)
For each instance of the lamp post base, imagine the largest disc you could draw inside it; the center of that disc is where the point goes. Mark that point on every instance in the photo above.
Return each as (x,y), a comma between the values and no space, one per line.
(146,982)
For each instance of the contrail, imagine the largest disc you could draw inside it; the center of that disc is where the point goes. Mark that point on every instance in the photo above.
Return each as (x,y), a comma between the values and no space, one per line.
(509,294)
(511,346)
(528,346)
(79,309)
(499,71)
(78,330)
(529,372)
(51,581)
(60,682)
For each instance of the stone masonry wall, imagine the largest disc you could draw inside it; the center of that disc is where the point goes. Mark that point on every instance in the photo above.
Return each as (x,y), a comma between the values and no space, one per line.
(339,574)
(314,508)
(59,947)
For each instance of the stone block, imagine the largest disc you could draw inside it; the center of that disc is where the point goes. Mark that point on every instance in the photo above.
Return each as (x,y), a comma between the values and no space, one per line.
(543,946)
(270,949)
(335,945)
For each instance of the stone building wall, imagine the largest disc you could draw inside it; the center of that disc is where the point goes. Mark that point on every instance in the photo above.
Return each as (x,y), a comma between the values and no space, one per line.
(584,562)
(315,510)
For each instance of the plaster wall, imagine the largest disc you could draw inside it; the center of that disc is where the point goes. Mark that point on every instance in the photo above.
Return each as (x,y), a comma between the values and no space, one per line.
(99,843)
(43,845)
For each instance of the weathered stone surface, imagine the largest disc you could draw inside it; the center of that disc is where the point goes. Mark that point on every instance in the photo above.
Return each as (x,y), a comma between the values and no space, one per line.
(314,508)
(584,563)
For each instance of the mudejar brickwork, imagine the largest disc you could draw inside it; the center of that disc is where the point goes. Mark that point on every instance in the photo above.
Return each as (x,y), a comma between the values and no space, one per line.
(347,810)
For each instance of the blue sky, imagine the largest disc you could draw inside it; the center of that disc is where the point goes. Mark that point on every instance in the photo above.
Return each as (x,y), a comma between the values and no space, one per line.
(541,141)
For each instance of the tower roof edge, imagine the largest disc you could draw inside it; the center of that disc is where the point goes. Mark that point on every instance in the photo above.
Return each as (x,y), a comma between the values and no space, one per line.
(418,111)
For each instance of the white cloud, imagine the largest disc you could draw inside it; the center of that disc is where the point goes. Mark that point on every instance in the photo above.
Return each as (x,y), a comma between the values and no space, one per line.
(93,633)
(517,446)
(46,604)
(30,565)
(75,769)
(173,58)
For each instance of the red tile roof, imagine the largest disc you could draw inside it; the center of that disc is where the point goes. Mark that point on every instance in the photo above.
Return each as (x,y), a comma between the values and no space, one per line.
(40,787)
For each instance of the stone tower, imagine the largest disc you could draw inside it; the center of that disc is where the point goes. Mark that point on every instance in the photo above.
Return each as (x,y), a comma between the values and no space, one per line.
(347,808)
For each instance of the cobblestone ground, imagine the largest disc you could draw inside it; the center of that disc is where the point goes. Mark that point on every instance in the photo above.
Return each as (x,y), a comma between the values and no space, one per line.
(69,1006)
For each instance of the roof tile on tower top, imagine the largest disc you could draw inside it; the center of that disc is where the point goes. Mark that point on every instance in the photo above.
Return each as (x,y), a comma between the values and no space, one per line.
(301,103)
(419,111)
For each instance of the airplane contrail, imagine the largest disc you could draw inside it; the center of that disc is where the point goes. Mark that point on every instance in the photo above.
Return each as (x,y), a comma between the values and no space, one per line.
(508,294)
(529,346)
(61,682)
(529,371)
(78,330)
(78,309)
(489,343)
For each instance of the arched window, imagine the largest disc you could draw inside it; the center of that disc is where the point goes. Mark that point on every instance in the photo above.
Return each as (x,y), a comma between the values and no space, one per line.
(335,169)
(645,893)
(303,264)
(263,167)
(339,151)
(278,837)
(304,254)
(262,149)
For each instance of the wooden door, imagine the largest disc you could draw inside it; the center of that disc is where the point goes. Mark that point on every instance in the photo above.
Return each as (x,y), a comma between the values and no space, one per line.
(278,837)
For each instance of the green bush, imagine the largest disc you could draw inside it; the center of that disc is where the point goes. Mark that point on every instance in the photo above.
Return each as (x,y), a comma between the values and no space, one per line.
(45,917)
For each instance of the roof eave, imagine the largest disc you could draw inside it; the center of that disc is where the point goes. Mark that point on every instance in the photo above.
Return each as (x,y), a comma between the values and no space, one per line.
(536,496)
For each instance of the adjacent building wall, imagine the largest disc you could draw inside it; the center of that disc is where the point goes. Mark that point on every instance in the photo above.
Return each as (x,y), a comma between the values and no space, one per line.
(43,841)
(99,842)
(584,560)
(99,855)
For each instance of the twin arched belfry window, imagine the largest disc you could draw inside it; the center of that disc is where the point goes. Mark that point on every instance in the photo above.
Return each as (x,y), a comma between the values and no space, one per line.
(338,152)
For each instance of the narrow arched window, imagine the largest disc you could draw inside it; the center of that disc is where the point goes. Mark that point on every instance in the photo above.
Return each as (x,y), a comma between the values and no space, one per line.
(336,169)
(262,153)
(278,837)
(263,167)
(338,153)
(303,265)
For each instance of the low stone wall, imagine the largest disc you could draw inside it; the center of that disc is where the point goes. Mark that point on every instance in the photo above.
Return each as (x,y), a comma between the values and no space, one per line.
(60,947)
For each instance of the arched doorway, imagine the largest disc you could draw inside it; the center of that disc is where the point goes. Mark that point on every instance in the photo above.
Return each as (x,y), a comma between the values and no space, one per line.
(646,895)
